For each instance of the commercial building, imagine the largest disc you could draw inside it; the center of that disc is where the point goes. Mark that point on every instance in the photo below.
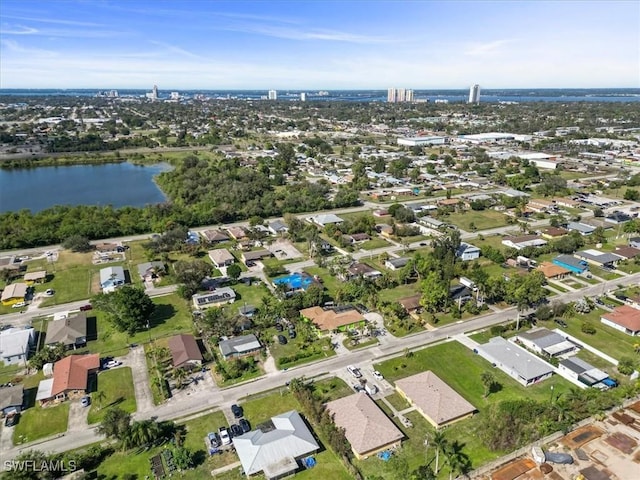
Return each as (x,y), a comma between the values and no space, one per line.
(272,95)
(474,94)
(419,141)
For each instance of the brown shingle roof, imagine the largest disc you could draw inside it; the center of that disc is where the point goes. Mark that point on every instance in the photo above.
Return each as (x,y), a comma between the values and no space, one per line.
(14,290)
(625,316)
(184,349)
(330,320)
(627,252)
(411,303)
(366,426)
(71,372)
(436,399)
(551,270)
(38,275)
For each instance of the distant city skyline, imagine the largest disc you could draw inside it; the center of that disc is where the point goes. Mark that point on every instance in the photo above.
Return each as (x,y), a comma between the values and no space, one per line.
(319,45)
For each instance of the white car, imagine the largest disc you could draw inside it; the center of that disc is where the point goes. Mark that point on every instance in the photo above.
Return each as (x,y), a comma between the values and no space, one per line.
(225,438)
(377,375)
(112,364)
(354,371)
(18,305)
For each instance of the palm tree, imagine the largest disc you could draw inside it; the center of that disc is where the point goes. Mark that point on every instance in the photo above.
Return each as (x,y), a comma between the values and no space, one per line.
(100,396)
(180,375)
(439,441)
(488,380)
(457,460)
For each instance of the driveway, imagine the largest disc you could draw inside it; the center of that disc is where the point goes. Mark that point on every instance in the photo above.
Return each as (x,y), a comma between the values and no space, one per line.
(6,438)
(144,399)
(77,416)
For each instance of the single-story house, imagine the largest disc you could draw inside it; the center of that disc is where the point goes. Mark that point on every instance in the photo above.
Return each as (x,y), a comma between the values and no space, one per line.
(277,227)
(185,351)
(276,447)
(214,298)
(411,304)
(111,278)
(466,252)
(385,230)
(396,263)
(109,247)
(323,220)
(242,346)
(330,320)
(546,342)
(540,205)
(582,228)
(13,293)
(360,270)
(69,331)
(255,255)
(237,233)
(566,202)
(596,257)
(512,193)
(554,232)
(582,371)
(431,222)
(571,263)
(15,345)
(436,401)
(515,361)
(524,241)
(149,271)
(460,293)
(358,237)
(221,257)
(70,378)
(366,426)
(247,310)
(634,242)
(11,400)
(627,252)
(617,217)
(38,276)
(553,271)
(214,236)
(623,318)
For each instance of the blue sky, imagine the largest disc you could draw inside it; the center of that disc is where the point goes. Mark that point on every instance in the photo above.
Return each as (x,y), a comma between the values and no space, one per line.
(318,45)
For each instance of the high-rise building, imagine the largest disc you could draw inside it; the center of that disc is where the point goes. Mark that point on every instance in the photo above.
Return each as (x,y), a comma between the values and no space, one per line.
(303,97)
(474,94)
(396,95)
(272,95)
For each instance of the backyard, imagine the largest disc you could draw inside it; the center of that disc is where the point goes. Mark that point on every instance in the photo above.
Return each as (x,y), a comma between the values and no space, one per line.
(114,388)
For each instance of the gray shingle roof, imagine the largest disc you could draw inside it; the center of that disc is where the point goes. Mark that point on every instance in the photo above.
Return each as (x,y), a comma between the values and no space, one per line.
(239,345)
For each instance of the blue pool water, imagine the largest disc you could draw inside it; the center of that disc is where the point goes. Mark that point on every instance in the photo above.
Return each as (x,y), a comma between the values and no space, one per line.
(294,281)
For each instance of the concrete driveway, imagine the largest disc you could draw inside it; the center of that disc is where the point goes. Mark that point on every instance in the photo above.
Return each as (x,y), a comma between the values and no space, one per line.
(77,416)
(6,438)
(138,363)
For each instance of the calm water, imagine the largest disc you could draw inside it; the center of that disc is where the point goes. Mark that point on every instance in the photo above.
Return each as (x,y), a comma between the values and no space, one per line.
(116,184)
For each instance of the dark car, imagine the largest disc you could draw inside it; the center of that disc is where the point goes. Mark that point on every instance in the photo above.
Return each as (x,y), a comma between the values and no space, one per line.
(282,340)
(292,333)
(237,410)
(86,307)
(561,322)
(244,425)
(12,420)
(279,327)
(236,431)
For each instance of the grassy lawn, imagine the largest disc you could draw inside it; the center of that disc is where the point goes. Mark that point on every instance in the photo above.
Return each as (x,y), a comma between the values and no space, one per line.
(117,387)
(330,282)
(558,286)
(37,422)
(483,220)
(598,272)
(331,389)
(247,375)
(249,294)
(348,343)
(320,349)
(401,291)
(374,243)
(397,401)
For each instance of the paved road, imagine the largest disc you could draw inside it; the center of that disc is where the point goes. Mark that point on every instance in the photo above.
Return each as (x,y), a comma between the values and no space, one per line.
(208,399)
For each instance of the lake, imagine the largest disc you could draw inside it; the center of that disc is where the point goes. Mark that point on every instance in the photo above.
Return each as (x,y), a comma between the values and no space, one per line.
(116,184)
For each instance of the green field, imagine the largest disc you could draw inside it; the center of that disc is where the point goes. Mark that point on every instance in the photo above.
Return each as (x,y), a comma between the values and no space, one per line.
(483,219)
(330,282)
(38,422)
(374,243)
(117,387)
(249,294)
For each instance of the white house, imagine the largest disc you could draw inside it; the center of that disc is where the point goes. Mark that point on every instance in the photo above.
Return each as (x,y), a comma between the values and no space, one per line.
(466,252)
(111,278)
(15,345)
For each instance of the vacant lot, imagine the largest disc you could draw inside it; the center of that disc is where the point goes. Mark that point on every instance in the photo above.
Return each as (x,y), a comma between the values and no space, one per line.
(483,220)
(114,389)
(38,422)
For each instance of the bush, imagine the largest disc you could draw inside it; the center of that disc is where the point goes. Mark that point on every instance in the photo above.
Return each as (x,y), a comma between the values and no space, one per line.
(497,330)
(588,328)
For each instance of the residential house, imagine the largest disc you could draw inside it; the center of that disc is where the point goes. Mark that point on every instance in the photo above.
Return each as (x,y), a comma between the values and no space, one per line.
(540,205)
(627,253)
(552,233)
(11,400)
(214,236)
(70,378)
(111,278)
(552,271)
(449,202)
(396,263)
(14,293)
(634,242)
(237,233)
(149,271)
(358,238)
(221,257)
(276,447)
(571,263)
(467,252)
(278,227)
(70,331)
(360,270)
(582,371)
(460,293)
(617,218)
(334,319)
(583,229)
(15,345)
(385,230)
(596,257)
(623,318)
(566,202)
(546,342)
(185,351)
(250,257)
(323,220)
(524,241)
(35,277)
(214,298)
(515,361)
(366,426)
(411,304)
(436,401)
(243,346)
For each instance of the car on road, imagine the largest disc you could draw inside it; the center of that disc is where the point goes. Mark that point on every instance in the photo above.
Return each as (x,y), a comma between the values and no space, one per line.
(86,307)
(237,411)
(354,371)
(282,340)
(85,401)
(244,425)
(236,431)
(225,438)
(19,305)
(112,364)
(561,322)
(12,420)
(377,375)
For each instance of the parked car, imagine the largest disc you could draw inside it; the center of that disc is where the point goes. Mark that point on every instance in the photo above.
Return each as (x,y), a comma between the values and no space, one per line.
(236,431)
(358,387)
(237,410)
(19,305)
(282,340)
(244,425)
(279,327)
(292,333)
(12,420)
(225,438)
(561,322)
(377,375)
(354,371)
(50,292)
(86,307)
(112,364)
(85,401)
(214,440)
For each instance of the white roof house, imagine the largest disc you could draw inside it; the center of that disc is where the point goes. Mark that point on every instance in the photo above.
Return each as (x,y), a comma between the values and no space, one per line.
(15,344)
(325,219)
(111,278)
(275,448)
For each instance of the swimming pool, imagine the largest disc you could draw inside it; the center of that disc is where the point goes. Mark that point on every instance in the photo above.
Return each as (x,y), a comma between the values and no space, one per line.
(294,281)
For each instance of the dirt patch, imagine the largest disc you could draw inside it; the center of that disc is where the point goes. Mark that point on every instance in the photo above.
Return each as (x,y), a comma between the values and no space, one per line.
(581,436)
(514,469)
(284,250)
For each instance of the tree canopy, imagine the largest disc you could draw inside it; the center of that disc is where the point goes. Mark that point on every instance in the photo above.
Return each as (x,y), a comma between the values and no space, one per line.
(128,308)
